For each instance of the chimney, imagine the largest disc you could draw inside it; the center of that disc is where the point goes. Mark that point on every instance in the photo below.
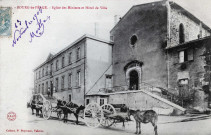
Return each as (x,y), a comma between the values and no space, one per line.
(200,30)
(116,19)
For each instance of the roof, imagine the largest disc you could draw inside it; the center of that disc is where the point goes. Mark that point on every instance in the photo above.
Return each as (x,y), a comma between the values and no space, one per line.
(172,4)
(190,43)
(140,5)
(51,56)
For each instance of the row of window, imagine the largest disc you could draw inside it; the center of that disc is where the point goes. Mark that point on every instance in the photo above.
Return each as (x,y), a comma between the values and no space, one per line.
(45,71)
(56,86)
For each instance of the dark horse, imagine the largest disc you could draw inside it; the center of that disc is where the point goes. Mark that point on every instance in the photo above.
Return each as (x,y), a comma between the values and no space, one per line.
(123,108)
(70,108)
(37,105)
(33,105)
(144,117)
(59,111)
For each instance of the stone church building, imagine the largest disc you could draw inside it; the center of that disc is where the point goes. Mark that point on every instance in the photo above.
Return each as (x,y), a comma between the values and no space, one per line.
(160,58)
(161,44)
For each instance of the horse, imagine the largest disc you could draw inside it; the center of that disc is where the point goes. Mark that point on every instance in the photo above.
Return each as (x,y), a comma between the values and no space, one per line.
(70,108)
(37,105)
(123,108)
(144,117)
(38,108)
(33,105)
(59,106)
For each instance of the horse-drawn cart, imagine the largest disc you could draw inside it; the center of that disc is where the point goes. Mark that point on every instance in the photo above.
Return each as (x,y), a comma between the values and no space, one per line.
(47,105)
(105,115)
(50,106)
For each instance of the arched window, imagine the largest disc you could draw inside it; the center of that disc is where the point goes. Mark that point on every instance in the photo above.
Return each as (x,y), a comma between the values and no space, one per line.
(181,34)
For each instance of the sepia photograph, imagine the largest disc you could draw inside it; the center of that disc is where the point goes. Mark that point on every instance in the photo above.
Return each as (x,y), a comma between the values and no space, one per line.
(105,67)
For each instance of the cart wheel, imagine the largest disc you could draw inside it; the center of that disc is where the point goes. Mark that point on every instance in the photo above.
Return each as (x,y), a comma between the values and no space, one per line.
(46,110)
(93,115)
(108,110)
(60,114)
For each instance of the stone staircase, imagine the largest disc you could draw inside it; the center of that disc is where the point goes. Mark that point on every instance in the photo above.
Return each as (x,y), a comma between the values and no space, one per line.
(159,94)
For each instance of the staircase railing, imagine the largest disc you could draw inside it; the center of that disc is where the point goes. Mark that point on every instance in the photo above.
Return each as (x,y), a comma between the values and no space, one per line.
(174,97)
(142,86)
(170,95)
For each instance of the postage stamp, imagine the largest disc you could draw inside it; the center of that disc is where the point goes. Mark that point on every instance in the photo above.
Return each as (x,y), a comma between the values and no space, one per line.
(5,21)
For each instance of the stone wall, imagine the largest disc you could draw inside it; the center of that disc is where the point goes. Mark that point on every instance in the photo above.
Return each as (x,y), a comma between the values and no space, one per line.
(194,70)
(140,100)
(191,28)
(149,23)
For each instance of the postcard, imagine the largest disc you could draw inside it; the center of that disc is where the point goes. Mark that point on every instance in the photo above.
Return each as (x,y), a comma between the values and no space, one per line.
(98,67)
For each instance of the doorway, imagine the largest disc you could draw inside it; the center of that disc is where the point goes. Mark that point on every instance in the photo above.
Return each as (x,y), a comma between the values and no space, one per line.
(134,80)
(51,88)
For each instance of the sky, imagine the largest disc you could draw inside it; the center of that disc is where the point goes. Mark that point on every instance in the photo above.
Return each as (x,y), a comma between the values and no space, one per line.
(63,28)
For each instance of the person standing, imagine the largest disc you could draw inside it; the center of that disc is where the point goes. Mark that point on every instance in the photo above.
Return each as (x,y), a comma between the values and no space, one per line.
(52,90)
(48,92)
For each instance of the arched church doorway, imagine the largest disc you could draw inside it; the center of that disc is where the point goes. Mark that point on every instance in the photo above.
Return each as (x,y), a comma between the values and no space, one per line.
(134,80)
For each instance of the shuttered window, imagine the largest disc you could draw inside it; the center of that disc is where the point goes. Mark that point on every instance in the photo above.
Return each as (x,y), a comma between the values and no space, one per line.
(190,54)
(70,80)
(181,56)
(185,55)
(62,83)
(79,78)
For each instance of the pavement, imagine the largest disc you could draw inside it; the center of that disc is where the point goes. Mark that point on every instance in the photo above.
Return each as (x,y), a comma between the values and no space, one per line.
(167,125)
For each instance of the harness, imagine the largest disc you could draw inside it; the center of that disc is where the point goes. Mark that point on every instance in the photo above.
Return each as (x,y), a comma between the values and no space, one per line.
(73,109)
(69,105)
